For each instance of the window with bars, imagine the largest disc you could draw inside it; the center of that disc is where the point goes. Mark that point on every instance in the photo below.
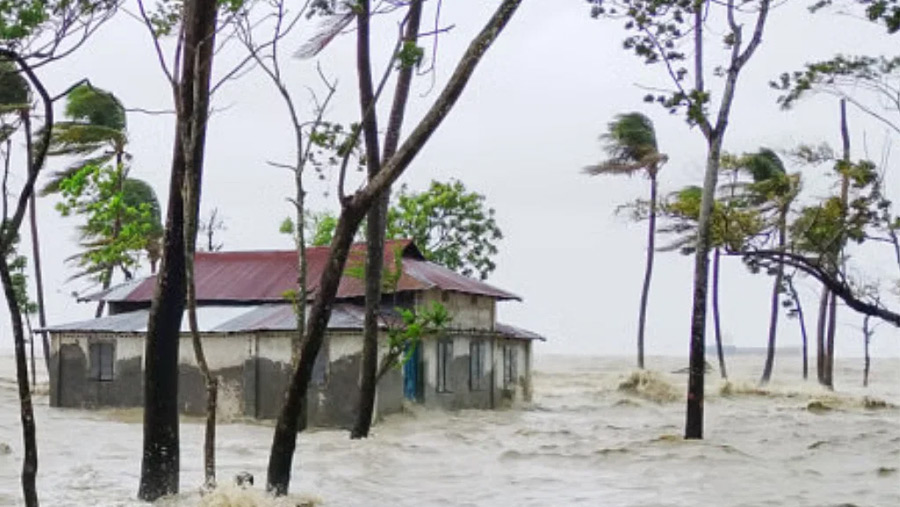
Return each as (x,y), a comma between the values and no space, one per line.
(477,379)
(103,358)
(444,362)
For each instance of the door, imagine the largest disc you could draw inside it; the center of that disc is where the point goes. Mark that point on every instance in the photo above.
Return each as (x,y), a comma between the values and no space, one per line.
(412,375)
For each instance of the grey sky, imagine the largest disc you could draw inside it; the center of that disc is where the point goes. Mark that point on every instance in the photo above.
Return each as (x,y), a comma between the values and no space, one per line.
(527,123)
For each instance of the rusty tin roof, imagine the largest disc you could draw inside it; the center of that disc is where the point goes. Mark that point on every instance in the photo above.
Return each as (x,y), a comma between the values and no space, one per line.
(265,276)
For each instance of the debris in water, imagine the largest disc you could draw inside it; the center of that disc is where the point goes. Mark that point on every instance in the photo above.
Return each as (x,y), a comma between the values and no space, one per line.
(649,385)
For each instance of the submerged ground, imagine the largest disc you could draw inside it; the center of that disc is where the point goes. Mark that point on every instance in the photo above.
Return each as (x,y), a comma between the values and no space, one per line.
(595,435)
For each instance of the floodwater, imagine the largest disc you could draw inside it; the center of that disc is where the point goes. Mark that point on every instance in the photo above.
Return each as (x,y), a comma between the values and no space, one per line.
(585,440)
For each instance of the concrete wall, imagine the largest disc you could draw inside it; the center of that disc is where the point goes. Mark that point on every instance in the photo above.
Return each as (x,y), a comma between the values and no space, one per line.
(468,311)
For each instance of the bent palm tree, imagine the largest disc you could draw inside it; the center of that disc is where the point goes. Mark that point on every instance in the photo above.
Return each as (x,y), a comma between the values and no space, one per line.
(773,190)
(630,142)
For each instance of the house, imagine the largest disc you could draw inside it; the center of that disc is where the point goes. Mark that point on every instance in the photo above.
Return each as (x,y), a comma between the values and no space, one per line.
(247,323)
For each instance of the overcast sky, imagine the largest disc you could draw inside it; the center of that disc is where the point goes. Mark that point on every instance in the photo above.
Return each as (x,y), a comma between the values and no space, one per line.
(526,124)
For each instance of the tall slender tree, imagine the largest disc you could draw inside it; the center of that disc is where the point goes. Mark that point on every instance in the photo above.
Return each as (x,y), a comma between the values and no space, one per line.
(630,142)
(353,210)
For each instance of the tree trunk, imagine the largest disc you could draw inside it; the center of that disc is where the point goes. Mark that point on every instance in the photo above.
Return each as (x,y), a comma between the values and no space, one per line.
(697,365)
(867,334)
(355,207)
(30,463)
(716,318)
(648,270)
(821,331)
(796,298)
(160,464)
(376,220)
(36,249)
(829,345)
(194,139)
(776,298)
(374,228)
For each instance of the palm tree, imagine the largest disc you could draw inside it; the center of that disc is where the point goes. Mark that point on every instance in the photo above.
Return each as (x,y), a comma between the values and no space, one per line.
(630,142)
(95,133)
(773,190)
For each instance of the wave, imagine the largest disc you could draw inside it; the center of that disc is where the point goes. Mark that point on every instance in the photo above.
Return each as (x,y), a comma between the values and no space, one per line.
(649,385)
(236,496)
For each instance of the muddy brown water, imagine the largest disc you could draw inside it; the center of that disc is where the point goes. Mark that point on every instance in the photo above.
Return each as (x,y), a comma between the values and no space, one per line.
(583,441)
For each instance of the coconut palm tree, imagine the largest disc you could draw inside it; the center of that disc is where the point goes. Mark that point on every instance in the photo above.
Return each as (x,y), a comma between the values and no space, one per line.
(630,142)
(123,214)
(773,190)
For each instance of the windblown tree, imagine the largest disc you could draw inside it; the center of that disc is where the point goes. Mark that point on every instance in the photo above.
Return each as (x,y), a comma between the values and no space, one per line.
(772,191)
(630,142)
(34,34)
(354,207)
(657,32)
(15,112)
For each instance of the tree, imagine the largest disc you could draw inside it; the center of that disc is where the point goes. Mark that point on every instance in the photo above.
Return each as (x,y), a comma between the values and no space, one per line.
(631,145)
(655,30)
(208,227)
(772,189)
(121,221)
(15,101)
(174,286)
(33,34)
(451,225)
(353,209)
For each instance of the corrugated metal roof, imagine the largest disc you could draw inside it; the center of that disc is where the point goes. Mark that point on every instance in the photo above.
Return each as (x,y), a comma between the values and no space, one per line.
(265,276)
(208,318)
(517,332)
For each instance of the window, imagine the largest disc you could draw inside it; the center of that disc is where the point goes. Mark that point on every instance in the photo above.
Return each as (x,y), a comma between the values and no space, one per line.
(477,380)
(444,360)
(509,366)
(320,367)
(103,357)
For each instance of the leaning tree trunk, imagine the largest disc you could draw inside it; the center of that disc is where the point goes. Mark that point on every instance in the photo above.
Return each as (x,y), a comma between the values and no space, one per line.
(776,298)
(648,270)
(829,341)
(376,221)
(717,321)
(30,463)
(160,465)
(36,248)
(354,208)
(799,306)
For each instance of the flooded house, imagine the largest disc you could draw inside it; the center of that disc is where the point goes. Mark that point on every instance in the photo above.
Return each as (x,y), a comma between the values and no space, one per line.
(247,324)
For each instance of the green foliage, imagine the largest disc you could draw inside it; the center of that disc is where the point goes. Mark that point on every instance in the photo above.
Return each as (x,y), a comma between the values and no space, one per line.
(17,265)
(410,55)
(415,325)
(14,90)
(19,18)
(122,219)
(95,107)
(886,12)
(630,142)
(450,225)
(840,71)
(25,19)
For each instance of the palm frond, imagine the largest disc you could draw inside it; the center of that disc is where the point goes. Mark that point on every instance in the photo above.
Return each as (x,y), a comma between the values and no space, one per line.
(96,107)
(630,136)
(53,185)
(331,26)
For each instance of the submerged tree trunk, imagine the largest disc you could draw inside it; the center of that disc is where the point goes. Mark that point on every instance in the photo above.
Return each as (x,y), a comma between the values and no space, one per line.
(648,270)
(799,306)
(829,343)
(160,465)
(353,211)
(30,463)
(821,331)
(776,299)
(36,248)
(716,317)
(374,228)
(376,220)
(867,335)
